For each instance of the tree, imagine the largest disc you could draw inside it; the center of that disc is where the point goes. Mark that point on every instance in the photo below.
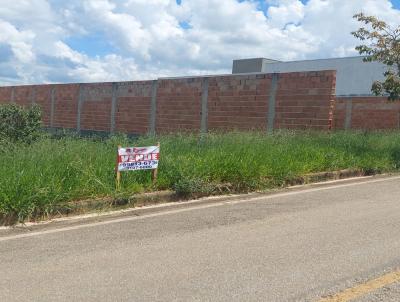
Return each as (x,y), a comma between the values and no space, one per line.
(382,44)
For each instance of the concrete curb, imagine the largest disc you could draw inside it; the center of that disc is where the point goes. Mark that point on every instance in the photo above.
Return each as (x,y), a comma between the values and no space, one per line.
(141,203)
(154,198)
(162,206)
(332,175)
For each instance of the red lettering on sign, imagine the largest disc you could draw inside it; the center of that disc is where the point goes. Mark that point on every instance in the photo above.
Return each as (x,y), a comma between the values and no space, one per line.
(138,157)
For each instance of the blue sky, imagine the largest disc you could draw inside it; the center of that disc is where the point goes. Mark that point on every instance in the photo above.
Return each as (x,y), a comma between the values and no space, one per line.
(396,3)
(106,40)
(95,44)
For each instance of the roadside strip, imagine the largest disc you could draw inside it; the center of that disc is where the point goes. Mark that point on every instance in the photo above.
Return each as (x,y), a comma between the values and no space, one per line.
(197,205)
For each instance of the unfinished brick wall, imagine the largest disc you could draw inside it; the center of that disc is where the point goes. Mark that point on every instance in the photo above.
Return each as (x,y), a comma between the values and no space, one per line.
(339,121)
(22,95)
(178,105)
(366,113)
(133,107)
(239,102)
(95,107)
(305,100)
(65,98)
(5,95)
(256,101)
(300,100)
(43,99)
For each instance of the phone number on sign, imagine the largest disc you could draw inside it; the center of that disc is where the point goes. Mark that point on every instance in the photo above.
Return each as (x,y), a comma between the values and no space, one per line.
(139,165)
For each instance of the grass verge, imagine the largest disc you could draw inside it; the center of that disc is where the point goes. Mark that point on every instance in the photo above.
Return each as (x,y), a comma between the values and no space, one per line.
(42,178)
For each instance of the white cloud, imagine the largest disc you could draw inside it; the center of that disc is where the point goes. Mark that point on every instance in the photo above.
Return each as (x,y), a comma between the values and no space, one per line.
(144,39)
(285,12)
(19,41)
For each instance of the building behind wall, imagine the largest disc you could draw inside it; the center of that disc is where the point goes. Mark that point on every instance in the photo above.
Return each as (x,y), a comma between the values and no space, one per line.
(355,105)
(353,76)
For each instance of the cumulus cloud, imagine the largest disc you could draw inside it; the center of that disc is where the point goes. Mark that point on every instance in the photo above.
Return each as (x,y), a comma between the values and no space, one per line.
(145,39)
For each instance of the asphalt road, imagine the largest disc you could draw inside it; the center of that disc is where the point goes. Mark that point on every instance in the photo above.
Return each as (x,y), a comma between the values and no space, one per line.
(298,245)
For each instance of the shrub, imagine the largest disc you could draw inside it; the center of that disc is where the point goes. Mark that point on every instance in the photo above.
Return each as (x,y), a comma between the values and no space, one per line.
(193,187)
(19,124)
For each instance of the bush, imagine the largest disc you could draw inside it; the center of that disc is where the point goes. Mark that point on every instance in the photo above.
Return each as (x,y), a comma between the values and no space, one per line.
(18,124)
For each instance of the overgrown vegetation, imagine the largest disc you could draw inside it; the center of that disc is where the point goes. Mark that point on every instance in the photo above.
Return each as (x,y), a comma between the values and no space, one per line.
(18,124)
(41,178)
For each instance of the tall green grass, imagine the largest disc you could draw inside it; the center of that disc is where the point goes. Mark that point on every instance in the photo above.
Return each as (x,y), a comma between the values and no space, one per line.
(41,178)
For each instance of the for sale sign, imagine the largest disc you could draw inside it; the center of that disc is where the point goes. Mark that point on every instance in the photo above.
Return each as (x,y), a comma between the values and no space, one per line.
(138,158)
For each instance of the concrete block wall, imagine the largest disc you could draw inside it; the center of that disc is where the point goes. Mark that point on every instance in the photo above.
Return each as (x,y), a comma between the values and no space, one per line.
(299,100)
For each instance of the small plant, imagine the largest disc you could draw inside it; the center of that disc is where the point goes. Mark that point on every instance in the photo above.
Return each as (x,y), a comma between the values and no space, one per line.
(186,187)
(18,124)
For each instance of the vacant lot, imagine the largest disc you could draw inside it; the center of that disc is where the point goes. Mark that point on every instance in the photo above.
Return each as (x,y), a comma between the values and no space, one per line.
(41,178)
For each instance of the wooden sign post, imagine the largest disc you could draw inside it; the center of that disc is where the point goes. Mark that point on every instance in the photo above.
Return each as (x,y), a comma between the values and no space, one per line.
(154,172)
(118,184)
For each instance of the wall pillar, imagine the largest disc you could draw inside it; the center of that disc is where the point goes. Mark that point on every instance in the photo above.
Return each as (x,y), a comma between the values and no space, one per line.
(349,109)
(114,103)
(33,95)
(52,105)
(12,95)
(80,103)
(272,102)
(204,106)
(153,108)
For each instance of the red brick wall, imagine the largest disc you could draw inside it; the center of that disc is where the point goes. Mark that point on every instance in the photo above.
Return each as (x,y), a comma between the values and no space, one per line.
(238,102)
(43,99)
(133,107)
(179,105)
(5,95)
(339,114)
(23,95)
(65,106)
(96,107)
(305,100)
(369,113)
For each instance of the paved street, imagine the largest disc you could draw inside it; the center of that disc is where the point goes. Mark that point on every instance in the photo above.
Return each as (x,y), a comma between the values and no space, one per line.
(299,245)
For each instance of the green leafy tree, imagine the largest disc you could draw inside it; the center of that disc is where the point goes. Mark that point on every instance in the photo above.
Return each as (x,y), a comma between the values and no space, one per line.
(382,44)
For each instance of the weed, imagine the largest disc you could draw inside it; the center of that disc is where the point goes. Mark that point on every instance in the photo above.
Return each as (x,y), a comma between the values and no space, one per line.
(41,178)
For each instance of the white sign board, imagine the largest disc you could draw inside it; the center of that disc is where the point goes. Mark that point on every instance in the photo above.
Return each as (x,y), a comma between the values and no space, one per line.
(138,158)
